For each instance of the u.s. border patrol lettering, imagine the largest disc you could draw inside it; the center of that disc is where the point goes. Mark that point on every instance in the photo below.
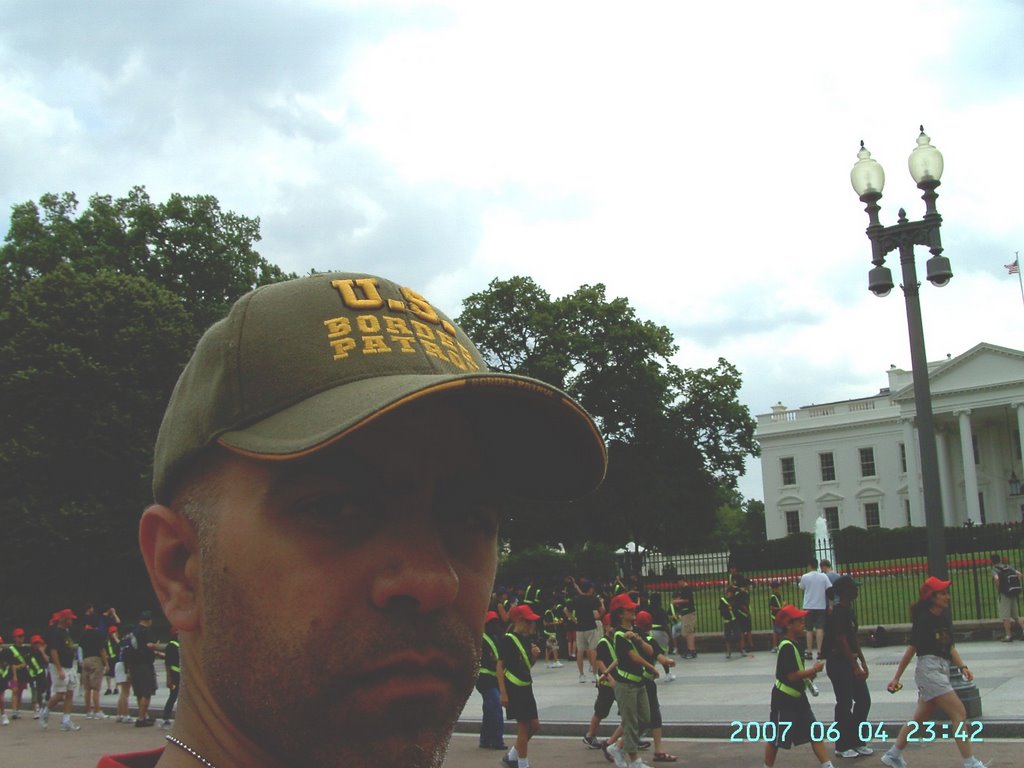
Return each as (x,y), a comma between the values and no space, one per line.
(375,332)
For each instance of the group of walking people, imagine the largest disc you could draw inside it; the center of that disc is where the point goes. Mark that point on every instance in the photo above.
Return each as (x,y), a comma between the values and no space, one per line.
(87,653)
(627,655)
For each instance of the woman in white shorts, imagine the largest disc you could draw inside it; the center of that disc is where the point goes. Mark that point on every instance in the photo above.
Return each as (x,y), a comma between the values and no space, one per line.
(123,688)
(931,640)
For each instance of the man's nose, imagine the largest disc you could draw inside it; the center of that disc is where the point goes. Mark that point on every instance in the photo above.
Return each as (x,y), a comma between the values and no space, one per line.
(417,568)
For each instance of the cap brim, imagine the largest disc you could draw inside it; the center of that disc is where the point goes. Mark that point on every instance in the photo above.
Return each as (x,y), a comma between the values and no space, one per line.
(528,429)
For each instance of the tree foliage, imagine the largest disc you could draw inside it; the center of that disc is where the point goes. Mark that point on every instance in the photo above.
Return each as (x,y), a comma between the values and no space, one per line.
(676,436)
(98,314)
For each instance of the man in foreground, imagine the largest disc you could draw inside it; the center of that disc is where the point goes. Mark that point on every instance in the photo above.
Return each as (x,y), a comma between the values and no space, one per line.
(328,482)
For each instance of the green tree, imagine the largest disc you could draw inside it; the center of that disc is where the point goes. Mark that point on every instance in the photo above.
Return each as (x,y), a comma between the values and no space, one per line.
(675,436)
(98,313)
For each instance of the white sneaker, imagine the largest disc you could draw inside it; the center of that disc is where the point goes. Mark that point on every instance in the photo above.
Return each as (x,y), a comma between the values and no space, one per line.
(67,725)
(847,753)
(583,678)
(864,750)
(44,717)
(4,720)
(615,752)
(974,763)
(894,761)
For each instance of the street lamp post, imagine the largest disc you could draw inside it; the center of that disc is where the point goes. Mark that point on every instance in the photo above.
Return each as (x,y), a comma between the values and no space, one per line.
(868,179)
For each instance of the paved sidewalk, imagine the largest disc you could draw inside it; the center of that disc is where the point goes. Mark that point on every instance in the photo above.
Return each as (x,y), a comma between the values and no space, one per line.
(711,692)
(707,696)
(21,744)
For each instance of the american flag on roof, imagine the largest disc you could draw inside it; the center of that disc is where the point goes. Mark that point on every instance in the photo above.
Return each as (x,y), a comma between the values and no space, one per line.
(1014,268)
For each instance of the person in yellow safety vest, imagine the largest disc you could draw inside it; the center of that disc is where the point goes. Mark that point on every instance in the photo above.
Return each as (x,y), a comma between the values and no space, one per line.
(6,675)
(22,677)
(532,596)
(40,681)
(552,620)
(111,648)
(515,683)
(172,664)
(644,626)
(492,724)
(730,630)
(631,651)
(790,710)
(606,664)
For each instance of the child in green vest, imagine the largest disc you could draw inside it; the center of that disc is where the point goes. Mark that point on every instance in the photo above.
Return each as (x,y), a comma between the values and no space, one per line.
(790,710)
(517,654)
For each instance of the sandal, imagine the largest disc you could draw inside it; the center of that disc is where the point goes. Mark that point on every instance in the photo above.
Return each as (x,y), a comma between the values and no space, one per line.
(664,757)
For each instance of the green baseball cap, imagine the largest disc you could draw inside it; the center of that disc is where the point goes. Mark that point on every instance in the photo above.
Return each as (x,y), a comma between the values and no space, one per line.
(297,365)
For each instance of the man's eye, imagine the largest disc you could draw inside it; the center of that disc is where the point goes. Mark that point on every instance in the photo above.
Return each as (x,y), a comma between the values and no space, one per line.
(332,508)
(470,516)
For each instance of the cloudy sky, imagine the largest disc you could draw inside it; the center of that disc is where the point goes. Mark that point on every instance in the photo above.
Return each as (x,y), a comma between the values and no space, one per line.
(694,159)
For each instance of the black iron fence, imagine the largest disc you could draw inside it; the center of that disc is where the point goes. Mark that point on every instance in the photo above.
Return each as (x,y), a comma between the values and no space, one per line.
(888,585)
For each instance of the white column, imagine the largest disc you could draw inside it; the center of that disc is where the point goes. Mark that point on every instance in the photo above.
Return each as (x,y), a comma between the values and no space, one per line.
(1019,407)
(970,471)
(945,478)
(913,479)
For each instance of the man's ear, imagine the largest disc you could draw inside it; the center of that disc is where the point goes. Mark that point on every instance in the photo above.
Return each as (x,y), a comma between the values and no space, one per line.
(170,548)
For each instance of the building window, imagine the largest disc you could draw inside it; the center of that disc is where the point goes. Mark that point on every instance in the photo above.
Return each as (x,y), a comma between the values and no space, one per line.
(1016,443)
(981,506)
(792,521)
(828,467)
(871,515)
(906,507)
(903,458)
(788,471)
(832,518)
(974,449)
(867,462)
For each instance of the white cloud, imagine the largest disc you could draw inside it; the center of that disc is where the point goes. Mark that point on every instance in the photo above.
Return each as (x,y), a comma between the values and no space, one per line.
(693,159)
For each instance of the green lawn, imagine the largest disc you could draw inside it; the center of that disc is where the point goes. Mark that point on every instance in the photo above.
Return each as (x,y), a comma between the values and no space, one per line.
(887,590)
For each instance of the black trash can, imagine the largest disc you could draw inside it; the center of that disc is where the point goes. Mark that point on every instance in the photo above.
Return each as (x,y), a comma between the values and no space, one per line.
(968,693)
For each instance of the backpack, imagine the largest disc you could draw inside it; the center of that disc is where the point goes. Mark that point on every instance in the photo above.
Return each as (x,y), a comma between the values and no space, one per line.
(1009,581)
(126,649)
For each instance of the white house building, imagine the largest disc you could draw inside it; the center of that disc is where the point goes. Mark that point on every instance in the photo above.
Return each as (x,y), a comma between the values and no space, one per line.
(856,462)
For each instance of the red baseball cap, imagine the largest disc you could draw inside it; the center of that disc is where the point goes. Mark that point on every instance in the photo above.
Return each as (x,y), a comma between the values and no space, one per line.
(932,585)
(521,612)
(623,601)
(788,613)
(36,639)
(491,616)
(111,629)
(19,632)
(644,620)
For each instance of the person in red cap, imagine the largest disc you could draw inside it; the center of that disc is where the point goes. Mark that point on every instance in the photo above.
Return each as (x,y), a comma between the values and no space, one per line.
(644,627)
(21,653)
(336,455)
(632,653)
(790,709)
(492,723)
(63,677)
(931,641)
(38,663)
(515,682)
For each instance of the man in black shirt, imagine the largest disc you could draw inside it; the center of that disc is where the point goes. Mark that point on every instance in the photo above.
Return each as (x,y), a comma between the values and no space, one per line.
(94,662)
(141,669)
(847,669)
(588,609)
